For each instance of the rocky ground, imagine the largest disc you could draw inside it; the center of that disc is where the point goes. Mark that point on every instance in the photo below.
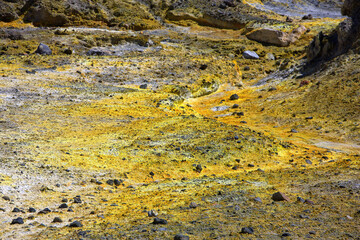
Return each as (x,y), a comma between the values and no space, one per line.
(174,132)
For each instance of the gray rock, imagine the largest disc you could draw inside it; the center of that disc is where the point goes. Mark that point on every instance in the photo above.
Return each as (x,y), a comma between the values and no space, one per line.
(76,224)
(278,196)
(43,49)
(152,213)
(250,55)
(270,56)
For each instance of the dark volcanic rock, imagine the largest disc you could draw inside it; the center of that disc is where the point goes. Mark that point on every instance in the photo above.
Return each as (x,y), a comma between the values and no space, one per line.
(6,198)
(63,205)
(43,49)
(18,220)
(32,210)
(159,221)
(278,196)
(75,224)
(248,230)
(339,41)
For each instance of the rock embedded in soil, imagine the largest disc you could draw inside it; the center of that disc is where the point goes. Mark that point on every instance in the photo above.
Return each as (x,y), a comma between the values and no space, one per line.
(16,210)
(57,220)
(43,49)
(250,55)
(278,196)
(234,97)
(110,182)
(248,230)
(77,199)
(6,198)
(63,205)
(159,221)
(181,237)
(286,235)
(152,213)
(18,220)
(76,224)
(45,211)
(32,210)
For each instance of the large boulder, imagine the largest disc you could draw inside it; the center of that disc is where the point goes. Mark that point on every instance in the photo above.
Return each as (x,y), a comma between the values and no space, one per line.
(270,36)
(276,37)
(42,14)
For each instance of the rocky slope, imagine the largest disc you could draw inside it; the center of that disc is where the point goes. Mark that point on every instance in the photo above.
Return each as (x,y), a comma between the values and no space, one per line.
(188,131)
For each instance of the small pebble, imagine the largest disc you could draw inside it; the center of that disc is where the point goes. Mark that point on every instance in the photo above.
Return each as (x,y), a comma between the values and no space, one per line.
(152,213)
(159,221)
(32,209)
(286,235)
(18,220)
(6,198)
(193,205)
(75,224)
(248,230)
(77,200)
(57,220)
(16,210)
(117,182)
(110,182)
(63,205)
(234,97)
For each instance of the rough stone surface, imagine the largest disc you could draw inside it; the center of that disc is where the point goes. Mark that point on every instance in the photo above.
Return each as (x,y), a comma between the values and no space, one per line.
(339,41)
(276,37)
(270,36)
(43,49)
(250,55)
(278,196)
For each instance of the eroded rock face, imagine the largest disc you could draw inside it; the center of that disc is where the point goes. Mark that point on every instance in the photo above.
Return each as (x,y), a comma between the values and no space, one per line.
(7,12)
(343,38)
(113,13)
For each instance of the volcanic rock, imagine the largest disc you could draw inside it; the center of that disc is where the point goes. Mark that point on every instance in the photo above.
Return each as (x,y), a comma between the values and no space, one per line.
(250,55)
(278,196)
(43,49)
(339,41)
(18,220)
